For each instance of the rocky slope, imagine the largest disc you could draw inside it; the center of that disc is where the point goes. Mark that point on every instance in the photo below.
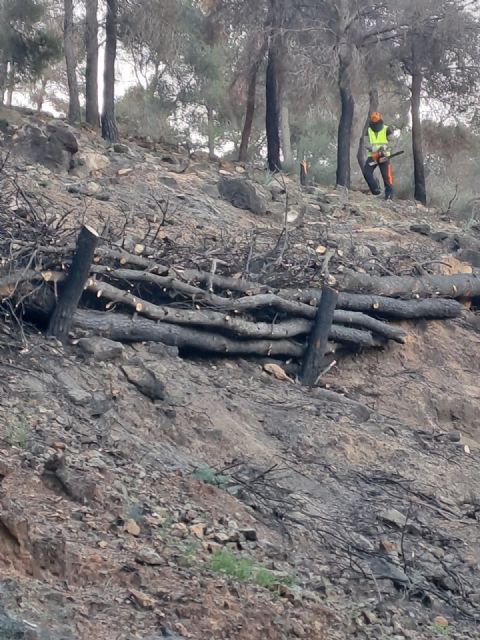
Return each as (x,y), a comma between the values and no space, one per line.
(235,505)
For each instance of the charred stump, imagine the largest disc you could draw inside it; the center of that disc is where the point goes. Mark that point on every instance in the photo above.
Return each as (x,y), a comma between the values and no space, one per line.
(62,317)
(318,341)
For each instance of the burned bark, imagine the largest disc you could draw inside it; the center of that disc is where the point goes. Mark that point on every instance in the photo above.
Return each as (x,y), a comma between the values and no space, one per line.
(372,106)
(250,106)
(317,343)
(62,317)
(345,124)
(417,138)
(109,125)
(74,113)
(455,286)
(126,329)
(272,111)
(91,71)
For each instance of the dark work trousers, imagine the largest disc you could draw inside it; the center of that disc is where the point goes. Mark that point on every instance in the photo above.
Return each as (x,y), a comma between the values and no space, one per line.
(386,171)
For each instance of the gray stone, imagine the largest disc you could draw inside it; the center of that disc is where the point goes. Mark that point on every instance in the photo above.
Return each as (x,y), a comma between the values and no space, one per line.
(381,568)
(393,517)
(99,404)
(146,381)
(74,392)
(149,557)
(423,229)
(50,152)
(118,147)
(64,136)
(249,534)
(101,349)
(168,181)
(243,194)
(12,629)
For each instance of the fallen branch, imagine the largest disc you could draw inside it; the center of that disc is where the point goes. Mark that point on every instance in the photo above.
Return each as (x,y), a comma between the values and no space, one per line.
(126,329)
(429,308)
(238,326)
(455,286)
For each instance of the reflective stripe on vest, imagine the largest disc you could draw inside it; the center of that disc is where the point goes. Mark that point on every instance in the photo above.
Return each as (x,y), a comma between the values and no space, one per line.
(378,139)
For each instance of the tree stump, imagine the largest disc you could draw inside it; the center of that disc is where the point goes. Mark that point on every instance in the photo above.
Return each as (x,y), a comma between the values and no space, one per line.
(62,317)
(304,173)
(318,341)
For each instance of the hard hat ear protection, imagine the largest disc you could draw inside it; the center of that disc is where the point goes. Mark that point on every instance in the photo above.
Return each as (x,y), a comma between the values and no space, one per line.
(375,117)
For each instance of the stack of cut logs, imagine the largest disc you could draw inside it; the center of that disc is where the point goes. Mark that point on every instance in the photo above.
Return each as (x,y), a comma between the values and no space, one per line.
(130,297)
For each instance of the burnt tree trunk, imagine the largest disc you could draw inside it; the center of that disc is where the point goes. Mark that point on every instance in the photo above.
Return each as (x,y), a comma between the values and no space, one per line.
(91,71)
(109,125)
(457,286)
(3,80)
(417,138)
(74,113)
(372,106)
(250,106)
(127,329)
(211,133)
(10,83)
(272,110)
(318,341)
(40,97)
(344,136)
(62,317)
(285,134)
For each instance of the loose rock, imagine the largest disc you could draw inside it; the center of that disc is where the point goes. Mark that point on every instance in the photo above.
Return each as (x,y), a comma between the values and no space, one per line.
(146,381)
(243,194)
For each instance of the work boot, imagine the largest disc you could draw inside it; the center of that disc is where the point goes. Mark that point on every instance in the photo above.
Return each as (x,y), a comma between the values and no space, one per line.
(388,193)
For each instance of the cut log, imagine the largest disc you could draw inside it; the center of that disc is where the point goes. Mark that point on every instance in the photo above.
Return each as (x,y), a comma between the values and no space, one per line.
(200,317)
(355,318)
(430,308)
(222,282)
(165,282)
(243,327)
(123,328)
(62,317)
(318,341)
(259,301)
(455,286)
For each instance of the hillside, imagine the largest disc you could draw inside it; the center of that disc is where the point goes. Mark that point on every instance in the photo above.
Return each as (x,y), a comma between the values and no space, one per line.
(235,505)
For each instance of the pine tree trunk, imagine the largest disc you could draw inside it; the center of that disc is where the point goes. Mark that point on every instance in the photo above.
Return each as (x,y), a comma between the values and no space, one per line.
(3,80)
(344,126)
(10,83)
(109,125)
(372,106)
(250,108)
(91,71)
(272,111)
(285,134)
(211,133)
(417,138)
(40,99)
(74,113)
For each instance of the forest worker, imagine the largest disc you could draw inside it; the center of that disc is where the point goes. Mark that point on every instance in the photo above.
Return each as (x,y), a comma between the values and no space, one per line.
(379,135)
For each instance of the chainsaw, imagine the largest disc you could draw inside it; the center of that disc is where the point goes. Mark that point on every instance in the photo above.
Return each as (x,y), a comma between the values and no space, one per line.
(379,158)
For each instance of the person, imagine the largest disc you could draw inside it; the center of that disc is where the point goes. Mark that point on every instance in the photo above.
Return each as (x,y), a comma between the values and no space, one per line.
(379,135)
